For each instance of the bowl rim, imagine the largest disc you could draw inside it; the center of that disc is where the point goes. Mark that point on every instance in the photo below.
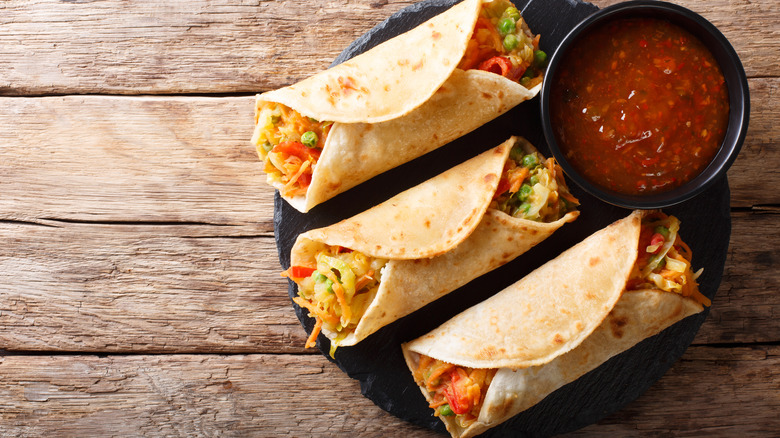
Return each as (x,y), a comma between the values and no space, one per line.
(734,75)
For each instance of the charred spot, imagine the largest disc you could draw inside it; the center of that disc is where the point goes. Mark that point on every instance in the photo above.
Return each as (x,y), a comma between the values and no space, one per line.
(510,238)
(558,339)
(435,136)
(490,177)
(500,94)
(506,255)
(616,324)
(487,95)
(594,261)
(427,223)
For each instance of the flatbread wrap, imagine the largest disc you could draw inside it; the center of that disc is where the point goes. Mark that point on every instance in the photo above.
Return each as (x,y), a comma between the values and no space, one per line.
(397,101)
(617,287)
(367,271)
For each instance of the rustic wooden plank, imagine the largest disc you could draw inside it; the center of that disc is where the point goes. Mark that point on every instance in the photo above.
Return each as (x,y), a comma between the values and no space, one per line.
(148,159)
(198,288)
(224,46)
(746,307)
(725,392)
(152,288)
(200,46)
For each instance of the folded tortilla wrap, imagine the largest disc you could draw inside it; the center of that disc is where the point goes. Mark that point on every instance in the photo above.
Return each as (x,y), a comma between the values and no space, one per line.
(432,239)
(553,326)
(389,105)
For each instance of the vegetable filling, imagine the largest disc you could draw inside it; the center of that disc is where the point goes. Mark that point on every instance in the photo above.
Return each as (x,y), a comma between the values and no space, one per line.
(289,145)
(337,291)
(454,390)
(503,44)
(533,188)
(664,260)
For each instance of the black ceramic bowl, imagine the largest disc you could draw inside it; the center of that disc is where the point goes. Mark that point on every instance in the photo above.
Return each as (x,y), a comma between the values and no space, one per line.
(733,72)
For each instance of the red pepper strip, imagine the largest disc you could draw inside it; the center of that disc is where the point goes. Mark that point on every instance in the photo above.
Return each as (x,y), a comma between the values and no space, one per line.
(298,272)
(503,186)
(498,64)
(297,149)
(459,403)
(657,239)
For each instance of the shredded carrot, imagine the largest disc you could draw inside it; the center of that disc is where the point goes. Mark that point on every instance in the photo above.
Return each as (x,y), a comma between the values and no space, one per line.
(368,277)
(518,178)
(305,165)
(312,341)
(346,312)
(318,313)
(437,373)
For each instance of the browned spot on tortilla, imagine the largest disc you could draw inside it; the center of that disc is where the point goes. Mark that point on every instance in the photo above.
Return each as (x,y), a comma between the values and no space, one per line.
(304,94)
(506,255)
(616,324)
(387,88)
(435,136)
(524,228)
(403,62)
(427,223)
(612,238)
(487,95)
(510,238)
(594,261)
(589,295)
(490,177)
(418,66)
(379,247)
(487,353)
(436,35)
(347,85)
(500,94)
(534,232)
(579,326)
(558,339)
(383,314)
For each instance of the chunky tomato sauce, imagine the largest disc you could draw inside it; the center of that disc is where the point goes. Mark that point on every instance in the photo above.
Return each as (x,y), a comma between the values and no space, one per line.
(640,106)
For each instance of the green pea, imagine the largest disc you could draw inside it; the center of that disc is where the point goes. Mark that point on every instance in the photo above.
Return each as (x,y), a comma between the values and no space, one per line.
(329,285)
(525,80)
(530,73)
(512,12)
(275,119)
(530,161)
(525,192)
(540,58)
(309,139)
(511,42)
(506,26)
(517,154)
(313,120)
(267,146)
(533,180)
(523,208)
(318,277)
(446,411)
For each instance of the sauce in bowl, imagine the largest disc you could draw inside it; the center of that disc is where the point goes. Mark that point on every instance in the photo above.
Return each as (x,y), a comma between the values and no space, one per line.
(639,106)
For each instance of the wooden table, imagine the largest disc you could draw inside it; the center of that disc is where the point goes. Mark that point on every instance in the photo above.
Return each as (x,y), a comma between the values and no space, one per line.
(139,285)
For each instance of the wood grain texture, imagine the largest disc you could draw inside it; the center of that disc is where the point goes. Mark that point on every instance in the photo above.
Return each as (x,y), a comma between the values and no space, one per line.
(223,46)
(284,395)
(201,46)
(132,159)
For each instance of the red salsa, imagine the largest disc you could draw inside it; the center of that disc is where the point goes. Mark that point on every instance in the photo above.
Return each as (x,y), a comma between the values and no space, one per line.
(640,106)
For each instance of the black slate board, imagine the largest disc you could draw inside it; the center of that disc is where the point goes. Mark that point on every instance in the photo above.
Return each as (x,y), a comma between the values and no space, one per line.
(377,361)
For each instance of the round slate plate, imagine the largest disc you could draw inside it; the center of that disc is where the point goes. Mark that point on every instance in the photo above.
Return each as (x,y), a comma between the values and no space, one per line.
(377,361)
